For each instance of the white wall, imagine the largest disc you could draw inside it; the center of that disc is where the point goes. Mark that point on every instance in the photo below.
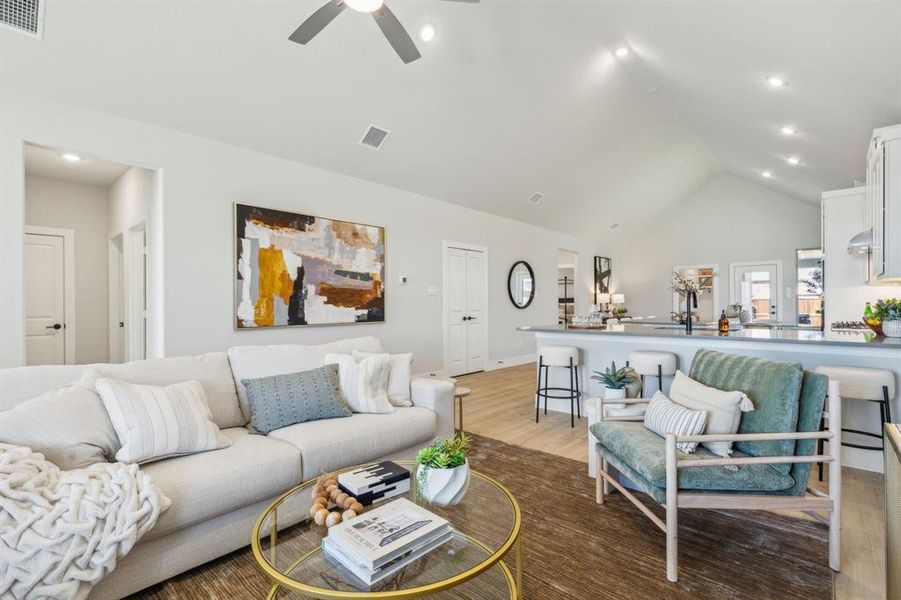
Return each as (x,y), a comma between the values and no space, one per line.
(83,208)
(131,197)
(726,220)
(191,236)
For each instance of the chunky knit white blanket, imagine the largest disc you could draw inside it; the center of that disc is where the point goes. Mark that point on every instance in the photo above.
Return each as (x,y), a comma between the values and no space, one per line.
(62,531)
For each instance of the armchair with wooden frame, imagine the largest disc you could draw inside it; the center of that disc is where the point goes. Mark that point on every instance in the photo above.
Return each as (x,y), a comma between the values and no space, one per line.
(768,470)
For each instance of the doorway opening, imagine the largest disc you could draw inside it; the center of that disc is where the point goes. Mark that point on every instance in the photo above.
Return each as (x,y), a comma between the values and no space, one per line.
(811,296)
(567,276)
(465,292)
(85,275)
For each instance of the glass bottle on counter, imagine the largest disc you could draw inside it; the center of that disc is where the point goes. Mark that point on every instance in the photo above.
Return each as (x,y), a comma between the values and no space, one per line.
(868,312)
(724,323)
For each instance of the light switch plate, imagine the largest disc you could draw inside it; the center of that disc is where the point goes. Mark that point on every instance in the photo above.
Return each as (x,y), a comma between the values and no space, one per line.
(402,279)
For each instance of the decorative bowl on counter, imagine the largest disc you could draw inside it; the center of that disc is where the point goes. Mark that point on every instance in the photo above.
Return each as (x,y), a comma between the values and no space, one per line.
(874,324)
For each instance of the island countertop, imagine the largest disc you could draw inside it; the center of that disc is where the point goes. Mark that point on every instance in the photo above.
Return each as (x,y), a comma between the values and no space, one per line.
(748,334)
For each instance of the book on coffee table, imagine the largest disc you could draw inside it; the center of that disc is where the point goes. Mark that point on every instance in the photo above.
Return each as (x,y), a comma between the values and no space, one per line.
(379,542)
(375,482)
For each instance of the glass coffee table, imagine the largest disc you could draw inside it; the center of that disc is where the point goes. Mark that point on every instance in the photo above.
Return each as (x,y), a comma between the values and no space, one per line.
(486,527)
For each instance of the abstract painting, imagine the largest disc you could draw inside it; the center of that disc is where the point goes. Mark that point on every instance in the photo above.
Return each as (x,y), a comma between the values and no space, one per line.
(602,272)
(295,269)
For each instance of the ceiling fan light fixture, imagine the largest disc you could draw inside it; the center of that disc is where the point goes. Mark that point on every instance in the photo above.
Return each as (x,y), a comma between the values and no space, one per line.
(364,6)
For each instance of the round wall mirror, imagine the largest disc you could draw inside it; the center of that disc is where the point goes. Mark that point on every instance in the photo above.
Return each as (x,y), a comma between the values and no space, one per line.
(521,284)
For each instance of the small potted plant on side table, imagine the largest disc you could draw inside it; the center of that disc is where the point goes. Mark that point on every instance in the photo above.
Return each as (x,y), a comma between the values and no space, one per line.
(442,476)
(889,312)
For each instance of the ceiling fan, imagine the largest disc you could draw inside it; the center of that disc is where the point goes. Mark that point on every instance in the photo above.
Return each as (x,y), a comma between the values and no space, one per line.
(389,24)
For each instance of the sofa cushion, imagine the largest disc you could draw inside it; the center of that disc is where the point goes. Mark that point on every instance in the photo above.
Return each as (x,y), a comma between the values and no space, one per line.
(645,452)
(211,370)
(19,384)
(252,362)
(329,445)
(813,398)
(206,485)
(68,425)
(774,388)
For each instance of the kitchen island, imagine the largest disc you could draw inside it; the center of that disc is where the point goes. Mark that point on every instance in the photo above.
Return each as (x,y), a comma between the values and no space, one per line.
(613,343)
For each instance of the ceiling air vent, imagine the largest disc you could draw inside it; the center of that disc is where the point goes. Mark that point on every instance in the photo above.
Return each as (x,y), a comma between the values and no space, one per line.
(536,198)
(26,16)
(375,137)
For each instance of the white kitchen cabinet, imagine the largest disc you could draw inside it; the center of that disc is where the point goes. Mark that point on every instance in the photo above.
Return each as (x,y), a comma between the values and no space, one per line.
(883,204)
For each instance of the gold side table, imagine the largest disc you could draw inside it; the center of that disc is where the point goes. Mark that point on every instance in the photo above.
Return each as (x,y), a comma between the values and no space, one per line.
(459,394)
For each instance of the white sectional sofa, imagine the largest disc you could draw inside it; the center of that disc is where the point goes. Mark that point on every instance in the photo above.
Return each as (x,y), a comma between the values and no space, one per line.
(217,496)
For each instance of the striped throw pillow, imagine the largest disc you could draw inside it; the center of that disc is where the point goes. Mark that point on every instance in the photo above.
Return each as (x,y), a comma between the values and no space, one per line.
(665,416)
(364,383)
(158,422)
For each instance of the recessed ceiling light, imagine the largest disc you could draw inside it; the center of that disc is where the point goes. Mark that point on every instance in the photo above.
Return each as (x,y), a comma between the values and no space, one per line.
(366,6)
(787,130)
(766,174)
(621,52)
(70,157)
(776,82)
(793,160)
(427,32)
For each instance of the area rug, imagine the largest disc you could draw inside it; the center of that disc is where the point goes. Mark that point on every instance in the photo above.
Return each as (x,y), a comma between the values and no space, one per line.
(573,548)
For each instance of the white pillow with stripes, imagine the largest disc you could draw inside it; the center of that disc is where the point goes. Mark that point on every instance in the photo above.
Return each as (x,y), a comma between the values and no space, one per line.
(665,416)
(364,384)
(155,422)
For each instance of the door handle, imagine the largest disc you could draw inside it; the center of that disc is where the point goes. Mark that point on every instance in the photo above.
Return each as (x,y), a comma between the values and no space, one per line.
(54,326)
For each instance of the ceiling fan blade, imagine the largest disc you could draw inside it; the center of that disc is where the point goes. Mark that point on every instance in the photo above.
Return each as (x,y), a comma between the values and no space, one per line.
(397,36)
(317,21)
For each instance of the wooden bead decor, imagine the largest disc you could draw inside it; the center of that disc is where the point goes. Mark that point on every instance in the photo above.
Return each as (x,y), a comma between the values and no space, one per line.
(327,491)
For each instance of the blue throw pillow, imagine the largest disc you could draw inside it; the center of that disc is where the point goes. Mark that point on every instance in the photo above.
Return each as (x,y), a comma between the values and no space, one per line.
(281,400)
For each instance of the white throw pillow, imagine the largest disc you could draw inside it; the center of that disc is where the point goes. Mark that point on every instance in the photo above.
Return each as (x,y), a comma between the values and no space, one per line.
(723,408)
(400,371)
(158,422)
(68,425)
(363,383)
(665,416)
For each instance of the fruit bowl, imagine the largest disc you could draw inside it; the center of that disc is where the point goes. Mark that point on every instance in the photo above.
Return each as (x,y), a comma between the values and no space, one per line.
(874,324)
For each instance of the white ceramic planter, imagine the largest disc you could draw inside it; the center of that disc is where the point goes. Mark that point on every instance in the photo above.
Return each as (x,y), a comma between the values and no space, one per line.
(444,487)
(611,394)
(892,328)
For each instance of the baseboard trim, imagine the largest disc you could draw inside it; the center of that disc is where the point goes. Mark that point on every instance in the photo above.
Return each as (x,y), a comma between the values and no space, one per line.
(513,361)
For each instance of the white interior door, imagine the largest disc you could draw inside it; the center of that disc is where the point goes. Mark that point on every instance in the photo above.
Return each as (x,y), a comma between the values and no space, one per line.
(757,288)
(466,315)
(45,300)
(475,311)
(135,293)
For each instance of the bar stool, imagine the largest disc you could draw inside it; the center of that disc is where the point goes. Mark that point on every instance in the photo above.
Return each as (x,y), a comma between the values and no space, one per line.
(860,383)
(566,357)
(649,362)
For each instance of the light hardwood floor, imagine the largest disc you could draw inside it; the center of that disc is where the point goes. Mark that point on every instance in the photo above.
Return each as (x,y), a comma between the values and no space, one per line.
(502,407)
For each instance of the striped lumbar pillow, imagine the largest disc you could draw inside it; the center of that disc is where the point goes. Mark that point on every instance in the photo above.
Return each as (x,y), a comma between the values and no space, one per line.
(158,422)
(665,416)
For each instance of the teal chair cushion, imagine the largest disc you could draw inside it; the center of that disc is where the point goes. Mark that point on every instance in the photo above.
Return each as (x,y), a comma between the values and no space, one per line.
(773,386)
(644,452)
(813,398)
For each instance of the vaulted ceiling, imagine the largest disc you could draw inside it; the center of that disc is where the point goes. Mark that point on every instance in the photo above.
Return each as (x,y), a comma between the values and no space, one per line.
(509,99)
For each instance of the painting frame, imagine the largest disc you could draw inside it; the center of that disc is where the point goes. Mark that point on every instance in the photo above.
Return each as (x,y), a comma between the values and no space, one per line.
(235,243)
(603,274)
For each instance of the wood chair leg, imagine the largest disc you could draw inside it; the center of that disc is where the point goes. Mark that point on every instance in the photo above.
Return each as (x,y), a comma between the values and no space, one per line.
(599,482)
(672,504)
(835,478)
(538,389)
(606,484)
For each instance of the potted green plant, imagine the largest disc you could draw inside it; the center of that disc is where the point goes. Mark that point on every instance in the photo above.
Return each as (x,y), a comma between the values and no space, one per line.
(442,475)
(889,312)
(615,381)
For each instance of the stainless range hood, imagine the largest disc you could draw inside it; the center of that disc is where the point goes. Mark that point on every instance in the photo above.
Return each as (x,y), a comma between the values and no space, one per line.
(860,243)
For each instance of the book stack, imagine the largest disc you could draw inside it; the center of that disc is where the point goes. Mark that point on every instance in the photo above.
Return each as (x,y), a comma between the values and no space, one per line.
(378,543)
(376,482)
